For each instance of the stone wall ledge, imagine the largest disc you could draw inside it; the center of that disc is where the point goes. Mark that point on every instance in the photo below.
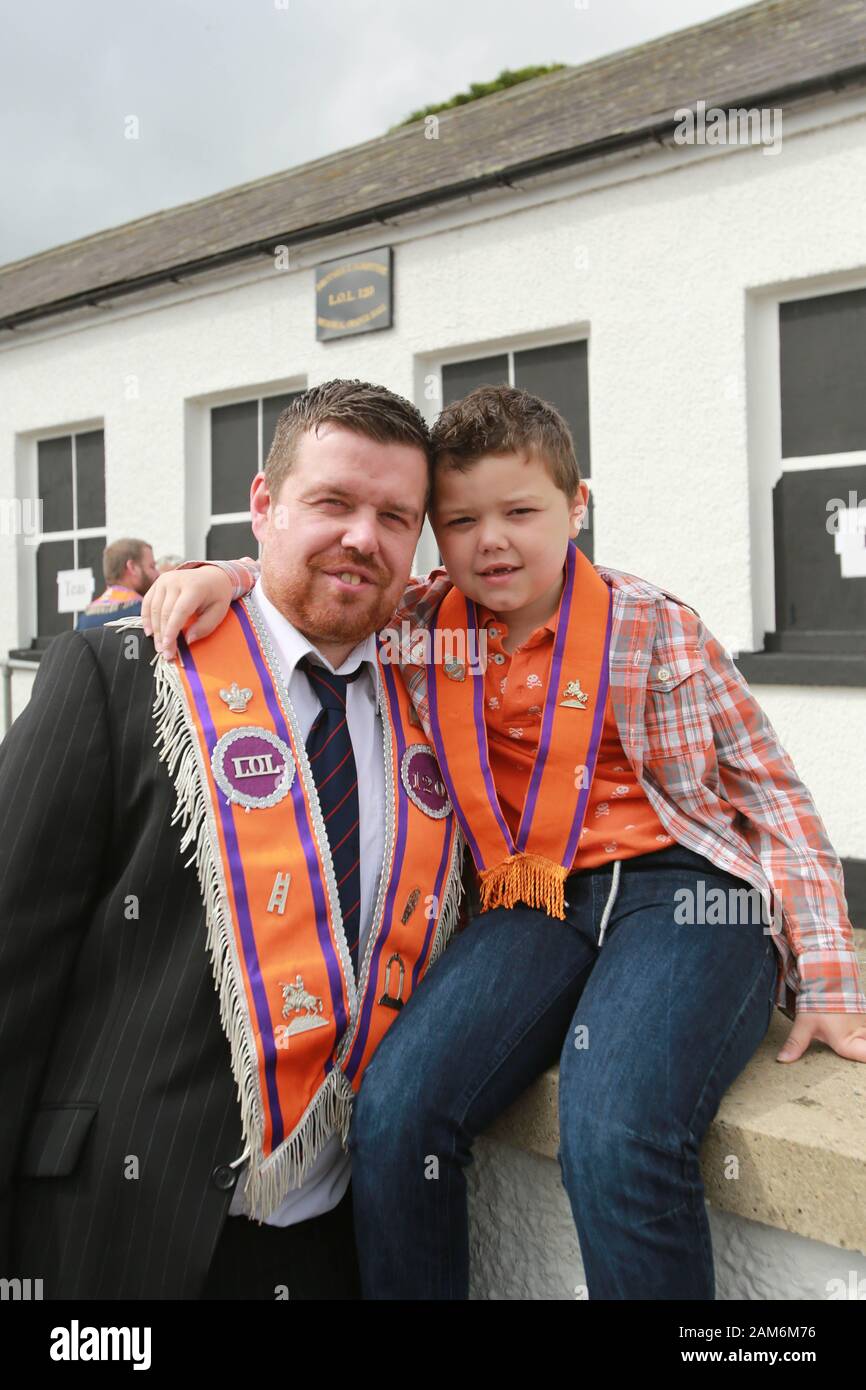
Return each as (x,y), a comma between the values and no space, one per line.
(797,1129)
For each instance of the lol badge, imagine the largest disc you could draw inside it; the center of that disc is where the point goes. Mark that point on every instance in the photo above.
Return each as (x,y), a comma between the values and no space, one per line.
(253,767)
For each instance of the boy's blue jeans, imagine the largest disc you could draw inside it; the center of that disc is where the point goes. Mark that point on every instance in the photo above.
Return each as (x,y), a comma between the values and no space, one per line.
(650,1031)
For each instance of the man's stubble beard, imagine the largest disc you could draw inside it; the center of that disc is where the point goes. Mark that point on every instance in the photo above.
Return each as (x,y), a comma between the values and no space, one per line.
(337,618)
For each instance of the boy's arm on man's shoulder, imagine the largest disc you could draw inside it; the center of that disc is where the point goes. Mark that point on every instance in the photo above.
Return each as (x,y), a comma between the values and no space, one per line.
(787,835)
(55,833)
(421,598)
(243,573)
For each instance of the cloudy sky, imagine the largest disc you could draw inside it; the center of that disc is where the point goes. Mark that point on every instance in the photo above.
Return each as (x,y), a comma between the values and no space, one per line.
(224,91)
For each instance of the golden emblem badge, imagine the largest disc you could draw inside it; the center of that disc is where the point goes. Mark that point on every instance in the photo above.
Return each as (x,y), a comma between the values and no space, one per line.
(574,697)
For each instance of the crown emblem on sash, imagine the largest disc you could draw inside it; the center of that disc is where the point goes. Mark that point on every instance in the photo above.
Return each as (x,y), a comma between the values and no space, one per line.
(236,699)
(574,697)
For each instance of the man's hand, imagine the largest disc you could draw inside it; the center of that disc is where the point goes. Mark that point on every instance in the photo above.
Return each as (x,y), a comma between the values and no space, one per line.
(181,595)
(845,1033)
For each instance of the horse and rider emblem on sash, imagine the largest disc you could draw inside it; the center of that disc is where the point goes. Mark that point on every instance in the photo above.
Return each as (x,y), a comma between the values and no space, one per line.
(574,697)
(296,999)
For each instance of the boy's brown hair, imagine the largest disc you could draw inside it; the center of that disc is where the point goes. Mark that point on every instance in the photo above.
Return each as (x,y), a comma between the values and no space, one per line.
(504,420)
(373,411)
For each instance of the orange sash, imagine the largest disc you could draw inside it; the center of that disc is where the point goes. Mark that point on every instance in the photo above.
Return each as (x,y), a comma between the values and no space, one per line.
(300,1032)
(532,866)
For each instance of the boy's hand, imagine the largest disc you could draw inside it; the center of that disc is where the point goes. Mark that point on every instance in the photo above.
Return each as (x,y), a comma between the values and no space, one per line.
(179,595)
(845,1033)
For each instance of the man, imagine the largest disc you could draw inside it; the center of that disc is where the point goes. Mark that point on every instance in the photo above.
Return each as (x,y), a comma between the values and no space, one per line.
(129,570)
(132,1098)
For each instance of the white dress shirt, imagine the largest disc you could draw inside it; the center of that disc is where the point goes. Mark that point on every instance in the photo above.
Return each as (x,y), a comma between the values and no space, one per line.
(328,1178)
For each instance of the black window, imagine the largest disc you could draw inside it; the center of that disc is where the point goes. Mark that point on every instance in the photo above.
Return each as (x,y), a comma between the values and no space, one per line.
(822,346)
(819,542)
(459,378)
(558,373)
(241,437)
(71,487)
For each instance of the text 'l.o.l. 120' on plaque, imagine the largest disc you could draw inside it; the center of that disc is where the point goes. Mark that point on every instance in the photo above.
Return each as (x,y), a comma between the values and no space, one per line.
(354,294)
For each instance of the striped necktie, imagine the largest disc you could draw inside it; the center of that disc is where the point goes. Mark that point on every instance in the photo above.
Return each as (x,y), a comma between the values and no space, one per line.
(332,762)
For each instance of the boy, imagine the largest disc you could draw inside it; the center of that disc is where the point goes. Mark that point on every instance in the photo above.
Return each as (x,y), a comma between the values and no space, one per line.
(610,770)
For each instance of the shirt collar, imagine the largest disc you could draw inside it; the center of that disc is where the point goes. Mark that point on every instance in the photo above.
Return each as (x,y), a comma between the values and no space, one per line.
(291,644)
(486,618)
(585,575)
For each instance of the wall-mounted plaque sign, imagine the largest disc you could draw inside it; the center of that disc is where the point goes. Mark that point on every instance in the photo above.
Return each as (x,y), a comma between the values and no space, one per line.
(353,294)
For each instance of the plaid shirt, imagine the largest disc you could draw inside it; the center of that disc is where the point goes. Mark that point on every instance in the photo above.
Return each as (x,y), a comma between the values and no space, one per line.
(713,769)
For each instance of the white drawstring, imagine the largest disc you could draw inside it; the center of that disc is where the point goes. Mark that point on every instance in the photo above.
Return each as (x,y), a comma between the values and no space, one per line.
(611,899)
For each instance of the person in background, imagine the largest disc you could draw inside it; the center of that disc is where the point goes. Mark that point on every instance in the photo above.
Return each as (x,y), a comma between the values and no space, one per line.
(129,569)
(168,562)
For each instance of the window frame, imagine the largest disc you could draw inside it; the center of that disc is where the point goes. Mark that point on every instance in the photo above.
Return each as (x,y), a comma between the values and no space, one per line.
(28,473)
(766,463)
(198,462)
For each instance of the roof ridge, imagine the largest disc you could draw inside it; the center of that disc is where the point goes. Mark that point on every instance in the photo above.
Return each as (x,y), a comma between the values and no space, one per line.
(772,47)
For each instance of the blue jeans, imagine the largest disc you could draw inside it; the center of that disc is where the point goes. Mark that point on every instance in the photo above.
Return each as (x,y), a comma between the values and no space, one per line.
(650,1030)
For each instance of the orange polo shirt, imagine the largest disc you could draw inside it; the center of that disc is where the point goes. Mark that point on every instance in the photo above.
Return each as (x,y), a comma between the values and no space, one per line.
(620,822)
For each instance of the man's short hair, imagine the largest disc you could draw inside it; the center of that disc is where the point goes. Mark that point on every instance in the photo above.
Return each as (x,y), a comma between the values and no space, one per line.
(115,556)
(505,420)
(373,411)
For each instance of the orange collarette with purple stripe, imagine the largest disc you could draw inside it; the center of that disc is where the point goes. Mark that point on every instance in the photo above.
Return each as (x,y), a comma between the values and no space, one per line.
(532,866)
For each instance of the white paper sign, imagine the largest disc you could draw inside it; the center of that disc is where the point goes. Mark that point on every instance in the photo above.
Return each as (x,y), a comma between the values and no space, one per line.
(74,590)
(850,542)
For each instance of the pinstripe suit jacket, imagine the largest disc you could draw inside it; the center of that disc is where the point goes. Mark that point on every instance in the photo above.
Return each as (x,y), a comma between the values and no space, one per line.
(117,1101)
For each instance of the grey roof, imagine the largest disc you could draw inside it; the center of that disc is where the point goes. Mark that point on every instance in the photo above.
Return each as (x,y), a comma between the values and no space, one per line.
(776,50)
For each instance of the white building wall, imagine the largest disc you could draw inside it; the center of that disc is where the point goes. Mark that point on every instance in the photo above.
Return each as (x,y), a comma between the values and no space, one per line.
(671,265)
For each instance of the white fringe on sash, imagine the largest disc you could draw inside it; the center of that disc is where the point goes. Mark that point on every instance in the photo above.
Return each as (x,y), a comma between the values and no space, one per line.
(453,895)
(269,1179)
